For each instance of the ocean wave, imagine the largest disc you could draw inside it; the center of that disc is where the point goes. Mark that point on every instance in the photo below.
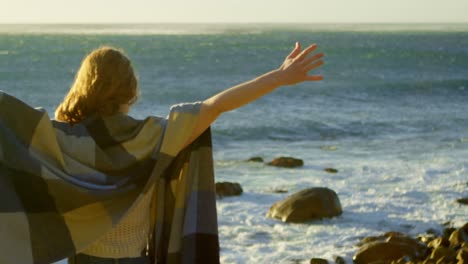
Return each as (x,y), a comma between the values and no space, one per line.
(319,131)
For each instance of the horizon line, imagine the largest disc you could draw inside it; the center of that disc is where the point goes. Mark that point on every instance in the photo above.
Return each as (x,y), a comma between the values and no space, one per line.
(233,23)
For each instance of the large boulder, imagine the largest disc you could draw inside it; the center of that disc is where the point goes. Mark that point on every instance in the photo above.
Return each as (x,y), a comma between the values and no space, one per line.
(286,162)
(390,247)
(228,189)
(309,204)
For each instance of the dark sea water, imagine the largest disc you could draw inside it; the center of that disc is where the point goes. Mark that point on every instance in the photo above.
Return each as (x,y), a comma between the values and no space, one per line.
(391,116)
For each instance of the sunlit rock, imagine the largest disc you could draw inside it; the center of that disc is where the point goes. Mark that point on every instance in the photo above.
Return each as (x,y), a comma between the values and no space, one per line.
(306,205)
(391,247)
(286,162)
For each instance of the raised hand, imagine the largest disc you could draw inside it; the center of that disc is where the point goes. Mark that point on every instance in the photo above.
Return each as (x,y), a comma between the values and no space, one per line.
(298,64)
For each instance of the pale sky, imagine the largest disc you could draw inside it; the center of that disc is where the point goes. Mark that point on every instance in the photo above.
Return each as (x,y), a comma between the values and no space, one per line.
(244,11)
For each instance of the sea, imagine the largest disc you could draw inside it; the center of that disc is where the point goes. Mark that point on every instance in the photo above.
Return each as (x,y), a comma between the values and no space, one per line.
(391,116)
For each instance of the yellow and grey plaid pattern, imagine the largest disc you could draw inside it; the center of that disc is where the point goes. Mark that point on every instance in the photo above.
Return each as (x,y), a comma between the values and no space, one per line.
(63,186)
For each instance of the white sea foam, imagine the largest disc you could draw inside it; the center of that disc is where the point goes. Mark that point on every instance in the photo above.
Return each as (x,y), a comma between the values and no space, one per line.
(380,193)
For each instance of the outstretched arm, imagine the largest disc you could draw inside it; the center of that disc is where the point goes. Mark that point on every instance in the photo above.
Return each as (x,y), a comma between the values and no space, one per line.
(295,69)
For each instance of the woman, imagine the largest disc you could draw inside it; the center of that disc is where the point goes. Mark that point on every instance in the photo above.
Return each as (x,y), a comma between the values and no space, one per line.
(106,85)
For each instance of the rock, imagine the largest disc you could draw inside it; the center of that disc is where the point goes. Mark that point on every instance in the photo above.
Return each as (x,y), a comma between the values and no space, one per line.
(383,237)
(426,239)
(331,170)
(286,162)
(439,242)
(432,231)
(459,236)
(395,247)
(306,205)
(228,189)
(403,260)
(444,253)
(429,236)
(340,260)
(463,201)
(370,239)
(448,231)
(318,261)
(255,159)
(280,191)
(462,255)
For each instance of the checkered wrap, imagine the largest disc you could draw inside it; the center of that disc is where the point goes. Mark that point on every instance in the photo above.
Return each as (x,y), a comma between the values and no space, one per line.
(63,186)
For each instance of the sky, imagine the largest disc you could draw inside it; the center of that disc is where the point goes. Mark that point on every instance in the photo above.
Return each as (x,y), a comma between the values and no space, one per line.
(236,11)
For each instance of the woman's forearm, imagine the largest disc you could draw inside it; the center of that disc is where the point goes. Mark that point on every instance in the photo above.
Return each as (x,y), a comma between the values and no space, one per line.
(244,93)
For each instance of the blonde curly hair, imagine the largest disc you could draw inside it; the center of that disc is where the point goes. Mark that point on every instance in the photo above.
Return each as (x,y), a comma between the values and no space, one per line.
(104,82)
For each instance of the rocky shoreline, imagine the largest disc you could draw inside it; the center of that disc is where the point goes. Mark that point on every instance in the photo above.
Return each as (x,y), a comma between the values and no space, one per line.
(448,247)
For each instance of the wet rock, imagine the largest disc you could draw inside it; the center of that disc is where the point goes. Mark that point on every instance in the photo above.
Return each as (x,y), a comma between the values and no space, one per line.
(286,162)
(280,191)
(459,236)
(309,204)
(395,247)
(331,170)
(463,201)
(255,159)
(318,261)
(228,189)
(340,260)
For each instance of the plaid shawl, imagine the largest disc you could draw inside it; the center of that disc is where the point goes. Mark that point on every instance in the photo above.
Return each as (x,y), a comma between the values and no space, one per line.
(63,186)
